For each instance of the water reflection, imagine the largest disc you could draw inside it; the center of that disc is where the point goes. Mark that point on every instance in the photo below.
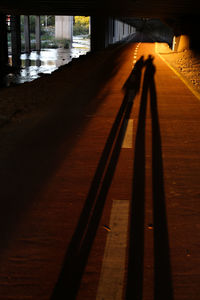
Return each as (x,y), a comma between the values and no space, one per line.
(47,60)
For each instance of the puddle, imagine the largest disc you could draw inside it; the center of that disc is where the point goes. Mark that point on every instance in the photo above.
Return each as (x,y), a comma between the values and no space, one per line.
(47,60)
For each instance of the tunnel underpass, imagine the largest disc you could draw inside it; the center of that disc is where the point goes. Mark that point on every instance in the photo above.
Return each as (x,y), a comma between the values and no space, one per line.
(100,162)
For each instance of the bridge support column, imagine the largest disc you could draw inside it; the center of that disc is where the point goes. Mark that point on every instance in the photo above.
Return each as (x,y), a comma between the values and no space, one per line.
(27,34)
(64,28)
(110,31)
(99,33)
(15,40)
(37,33)
(3,47)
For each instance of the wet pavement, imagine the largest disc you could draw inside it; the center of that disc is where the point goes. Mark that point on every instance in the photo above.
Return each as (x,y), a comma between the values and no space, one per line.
(47,60)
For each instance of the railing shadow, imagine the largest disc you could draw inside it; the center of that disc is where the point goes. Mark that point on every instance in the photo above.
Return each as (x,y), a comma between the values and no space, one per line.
(79,248)
(162,270)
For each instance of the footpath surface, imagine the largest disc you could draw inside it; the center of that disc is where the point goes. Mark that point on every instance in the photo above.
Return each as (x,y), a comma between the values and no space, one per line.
(117,217)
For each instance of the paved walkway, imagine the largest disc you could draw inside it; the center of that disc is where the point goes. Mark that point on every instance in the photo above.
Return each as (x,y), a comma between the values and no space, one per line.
(119,216)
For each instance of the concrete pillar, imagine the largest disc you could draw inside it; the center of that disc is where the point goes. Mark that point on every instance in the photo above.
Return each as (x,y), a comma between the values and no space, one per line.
(37,33)
(90,26)
(64,27)
(174,43)
(3,41)
(110,31)
(181,43)
(27,34)
(99,32)
(27,61)
(3,47)
(116,31)
(16,40)
(127,29)
(121,30)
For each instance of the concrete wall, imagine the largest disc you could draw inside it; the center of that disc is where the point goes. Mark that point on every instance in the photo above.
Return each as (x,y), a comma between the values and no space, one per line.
(106,31)
(181,43)
(64,27)
(121,31)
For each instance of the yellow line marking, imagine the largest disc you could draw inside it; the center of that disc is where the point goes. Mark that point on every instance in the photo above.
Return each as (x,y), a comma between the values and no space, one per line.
(128,138)
(195,93)
(112,271)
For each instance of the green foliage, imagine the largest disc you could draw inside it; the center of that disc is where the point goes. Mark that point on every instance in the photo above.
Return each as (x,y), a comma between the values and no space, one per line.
(85,21)
(63,43)
(81,25)
(47,32)
(45,22)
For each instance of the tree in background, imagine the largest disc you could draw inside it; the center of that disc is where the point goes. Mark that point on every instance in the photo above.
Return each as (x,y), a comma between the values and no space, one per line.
(81,25)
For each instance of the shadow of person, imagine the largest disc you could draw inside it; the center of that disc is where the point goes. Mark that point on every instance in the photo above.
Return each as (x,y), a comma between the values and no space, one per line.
(134,288)
(150,68)
(162,271)
(162,267)
(82,240)
(132,84)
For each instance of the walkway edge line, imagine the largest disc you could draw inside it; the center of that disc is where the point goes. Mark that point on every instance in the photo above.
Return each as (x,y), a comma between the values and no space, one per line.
(113,266)
(196,94)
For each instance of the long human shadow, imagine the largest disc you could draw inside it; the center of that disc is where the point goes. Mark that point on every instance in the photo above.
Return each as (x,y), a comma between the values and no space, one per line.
(79,248)
(162,270)
(163,288)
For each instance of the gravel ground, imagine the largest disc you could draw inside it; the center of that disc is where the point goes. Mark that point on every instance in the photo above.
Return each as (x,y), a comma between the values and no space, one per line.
(187,63)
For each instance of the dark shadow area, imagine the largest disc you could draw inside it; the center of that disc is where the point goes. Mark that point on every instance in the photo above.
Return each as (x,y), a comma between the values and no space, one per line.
(162,271)
(79,248)
(142,37)
(136,243)
(34,154)
(150,30)
(190,26)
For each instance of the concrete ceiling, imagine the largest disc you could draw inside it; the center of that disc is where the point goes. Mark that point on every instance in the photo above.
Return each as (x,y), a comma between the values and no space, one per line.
(117,8)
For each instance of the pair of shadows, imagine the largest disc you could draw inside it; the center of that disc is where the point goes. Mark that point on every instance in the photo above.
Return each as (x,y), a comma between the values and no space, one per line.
(162,270)
(79,248)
